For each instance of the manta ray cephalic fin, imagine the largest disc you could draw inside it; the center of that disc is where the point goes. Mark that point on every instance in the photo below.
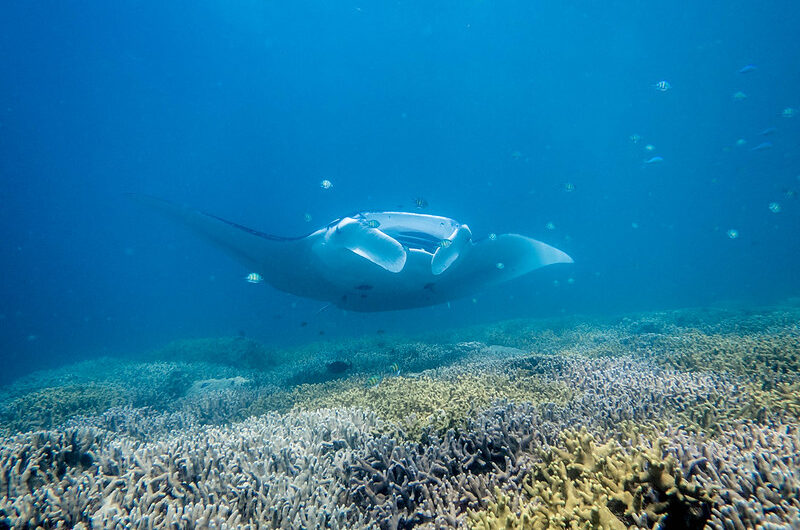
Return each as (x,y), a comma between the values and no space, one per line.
(370,244)
(446,254)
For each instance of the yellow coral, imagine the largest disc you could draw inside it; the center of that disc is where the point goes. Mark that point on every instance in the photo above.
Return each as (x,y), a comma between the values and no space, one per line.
(417,403)
(585,485)
(414,404)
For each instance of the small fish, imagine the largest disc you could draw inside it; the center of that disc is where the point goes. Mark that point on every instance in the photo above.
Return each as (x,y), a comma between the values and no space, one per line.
(500,265)
(649,147)
(254,277)
(394,368)
(788,112)
(732,233)
(326,184)
(550,226)
(569,187)
(635,138)
(444,243)
(372,223)
(762,146)
(654,160)
(374,381)
(516,155)
(662,86)
(741,142)
(739,96)
(492,237)
(748,69)
(307,217)
(774,207)
(420,203)
(768,131)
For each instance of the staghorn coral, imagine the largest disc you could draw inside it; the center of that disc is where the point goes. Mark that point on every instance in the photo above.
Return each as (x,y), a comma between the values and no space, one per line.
(753,470)
(769,356)
(432,485)
(274,471)
(610,391)
(585,485)
(732,434)
(90,387)
(418,404)
(51,406)
(142,423)
(240,352)
(746,342)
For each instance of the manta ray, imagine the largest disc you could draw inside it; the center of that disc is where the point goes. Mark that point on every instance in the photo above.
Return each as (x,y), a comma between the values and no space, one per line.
(373,261)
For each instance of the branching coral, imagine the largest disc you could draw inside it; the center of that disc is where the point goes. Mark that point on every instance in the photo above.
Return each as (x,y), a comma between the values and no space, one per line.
(274,472)
(51,406)
(417,404)
(664,420)
(585,485)
(753,469)
(241,352)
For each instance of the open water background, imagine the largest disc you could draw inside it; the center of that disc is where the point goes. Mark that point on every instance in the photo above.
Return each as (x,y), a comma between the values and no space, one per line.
(490,111)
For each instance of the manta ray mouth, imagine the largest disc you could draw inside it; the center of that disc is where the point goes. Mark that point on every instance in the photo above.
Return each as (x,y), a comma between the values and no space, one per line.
(416,240)
(412,231)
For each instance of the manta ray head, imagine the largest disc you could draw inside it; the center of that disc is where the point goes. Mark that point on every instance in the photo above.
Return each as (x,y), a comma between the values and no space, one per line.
(402,259)
(386,238)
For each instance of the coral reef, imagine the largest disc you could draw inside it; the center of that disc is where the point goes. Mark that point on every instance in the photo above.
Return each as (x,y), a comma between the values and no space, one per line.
(753,470)
(216,385)
(419,404)
(281,472)
(47,407)
(43,400)
(241,352)
(585,485)
(679,419)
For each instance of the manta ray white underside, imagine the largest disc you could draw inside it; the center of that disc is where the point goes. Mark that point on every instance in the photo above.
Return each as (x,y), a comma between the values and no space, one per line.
(374,261)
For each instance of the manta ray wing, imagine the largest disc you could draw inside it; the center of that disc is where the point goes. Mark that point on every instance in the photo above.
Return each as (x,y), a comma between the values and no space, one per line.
(286,263)
(492,261)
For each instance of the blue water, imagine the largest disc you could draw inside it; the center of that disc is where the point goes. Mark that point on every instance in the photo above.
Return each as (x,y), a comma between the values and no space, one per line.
(488,110)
